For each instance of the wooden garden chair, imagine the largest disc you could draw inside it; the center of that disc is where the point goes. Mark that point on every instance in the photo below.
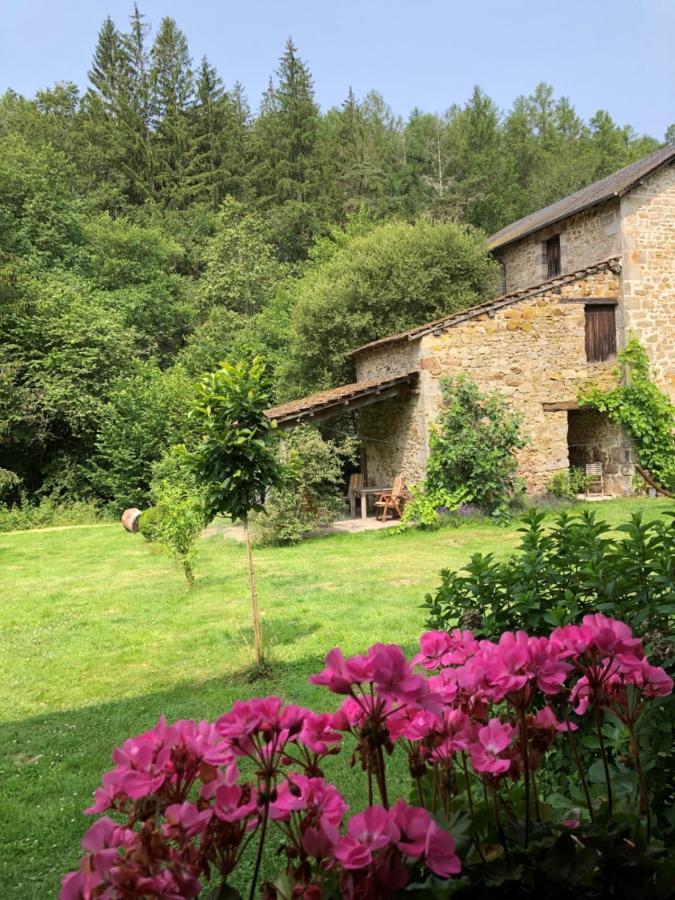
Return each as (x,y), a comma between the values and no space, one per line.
(355,485)
(391,501)
(595,476)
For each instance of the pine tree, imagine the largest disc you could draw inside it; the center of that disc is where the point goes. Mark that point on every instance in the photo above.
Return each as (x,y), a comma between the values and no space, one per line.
(286,132)
(109,67)
(218,126)
(172,81)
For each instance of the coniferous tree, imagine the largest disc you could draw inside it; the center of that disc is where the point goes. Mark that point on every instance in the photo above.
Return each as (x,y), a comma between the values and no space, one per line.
(172,81)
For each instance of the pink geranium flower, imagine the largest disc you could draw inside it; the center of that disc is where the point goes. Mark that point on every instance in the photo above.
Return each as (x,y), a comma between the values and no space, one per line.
(184,821)
(439,853)
(319,734)
(367,832)
(493,739)
(340,674)
(413,823)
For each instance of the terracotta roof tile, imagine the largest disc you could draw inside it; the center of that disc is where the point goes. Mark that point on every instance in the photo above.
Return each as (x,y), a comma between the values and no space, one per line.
(615,185)
(550,284)
(345,394)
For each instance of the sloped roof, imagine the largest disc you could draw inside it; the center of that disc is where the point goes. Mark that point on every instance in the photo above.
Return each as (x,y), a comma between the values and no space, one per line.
(551,284)
(340,399)
(615,185)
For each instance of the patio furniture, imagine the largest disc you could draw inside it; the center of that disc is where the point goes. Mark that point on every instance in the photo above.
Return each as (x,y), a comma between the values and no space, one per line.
(392,501)
(596,481)
(363,493)
(355,485)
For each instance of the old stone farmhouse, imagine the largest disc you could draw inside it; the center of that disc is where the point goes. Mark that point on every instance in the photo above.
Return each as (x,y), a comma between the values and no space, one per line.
(579,277)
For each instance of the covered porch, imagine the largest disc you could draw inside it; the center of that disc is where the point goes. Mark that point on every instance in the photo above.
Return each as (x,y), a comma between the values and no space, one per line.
(385,407)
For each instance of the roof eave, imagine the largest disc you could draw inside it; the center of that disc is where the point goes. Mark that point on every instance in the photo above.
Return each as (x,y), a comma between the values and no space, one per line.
(561,218)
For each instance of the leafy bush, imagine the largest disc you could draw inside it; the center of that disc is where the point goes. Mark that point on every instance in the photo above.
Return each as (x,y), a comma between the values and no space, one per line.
(176,520)
(309,494)
(560,573)
(392,277)
(479,737)
(645,411)
(567,483)
(49,513)
(149,523)
(473,446)
(432,508)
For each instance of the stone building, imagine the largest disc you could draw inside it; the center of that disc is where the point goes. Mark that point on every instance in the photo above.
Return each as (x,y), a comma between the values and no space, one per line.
(579,277)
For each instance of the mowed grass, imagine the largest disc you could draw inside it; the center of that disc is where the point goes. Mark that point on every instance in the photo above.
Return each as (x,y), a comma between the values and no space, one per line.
(99,638)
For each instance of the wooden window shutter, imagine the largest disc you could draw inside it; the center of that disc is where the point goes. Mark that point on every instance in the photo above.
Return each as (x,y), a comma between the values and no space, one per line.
(553,256)
(600,332)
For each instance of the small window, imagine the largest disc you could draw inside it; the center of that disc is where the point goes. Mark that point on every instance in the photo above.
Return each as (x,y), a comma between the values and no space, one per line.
(600,332)
(553,256)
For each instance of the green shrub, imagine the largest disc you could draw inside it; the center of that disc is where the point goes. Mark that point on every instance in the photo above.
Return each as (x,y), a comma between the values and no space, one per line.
(176,520)
(561,573)
(473,446)
(567,483)
(49,513)
(432,508)
(310,492)
(149,523)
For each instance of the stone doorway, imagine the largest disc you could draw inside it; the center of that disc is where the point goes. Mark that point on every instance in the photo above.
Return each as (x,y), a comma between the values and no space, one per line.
(592,438)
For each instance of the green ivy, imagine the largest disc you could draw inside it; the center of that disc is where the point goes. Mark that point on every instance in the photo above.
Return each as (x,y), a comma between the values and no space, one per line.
(638,405)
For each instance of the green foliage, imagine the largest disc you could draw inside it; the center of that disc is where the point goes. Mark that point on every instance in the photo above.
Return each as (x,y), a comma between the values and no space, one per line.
(643,410)
(430,508)
(561,573)
(309,494)
(395,276)
(149,522)
(146,414)
(473,444)
(567,483)
(235,460)
(177,519)
(48,513)
(242,271)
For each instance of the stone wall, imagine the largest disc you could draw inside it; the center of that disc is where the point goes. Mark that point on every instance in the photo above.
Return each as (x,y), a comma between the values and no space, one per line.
(532,351)
(393,433)
(585,239)
(648,244)
(394,437)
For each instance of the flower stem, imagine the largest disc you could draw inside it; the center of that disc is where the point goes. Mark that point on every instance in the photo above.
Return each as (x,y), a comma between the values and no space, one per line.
(580,769)
(261,843)
(526,772)
(382,777)
(644,799)
(605,764)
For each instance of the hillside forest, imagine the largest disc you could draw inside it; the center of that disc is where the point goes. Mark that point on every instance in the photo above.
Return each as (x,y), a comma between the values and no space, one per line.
(155,221)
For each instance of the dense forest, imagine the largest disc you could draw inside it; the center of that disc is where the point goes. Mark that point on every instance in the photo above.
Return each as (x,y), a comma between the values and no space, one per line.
(152,224)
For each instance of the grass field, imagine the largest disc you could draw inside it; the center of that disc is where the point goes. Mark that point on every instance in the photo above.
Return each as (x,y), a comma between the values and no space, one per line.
(99,637)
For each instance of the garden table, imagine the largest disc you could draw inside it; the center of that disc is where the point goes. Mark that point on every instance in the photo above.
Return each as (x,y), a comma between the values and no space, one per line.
(364,493)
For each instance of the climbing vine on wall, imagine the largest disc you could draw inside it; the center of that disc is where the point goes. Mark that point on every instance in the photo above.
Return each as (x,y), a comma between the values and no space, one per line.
(643,410)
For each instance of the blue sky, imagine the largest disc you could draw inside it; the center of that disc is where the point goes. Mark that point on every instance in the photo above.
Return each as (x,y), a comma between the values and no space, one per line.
(613,54)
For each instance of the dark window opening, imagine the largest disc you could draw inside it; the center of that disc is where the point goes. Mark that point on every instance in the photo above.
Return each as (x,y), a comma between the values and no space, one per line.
(553,256)
(600,332)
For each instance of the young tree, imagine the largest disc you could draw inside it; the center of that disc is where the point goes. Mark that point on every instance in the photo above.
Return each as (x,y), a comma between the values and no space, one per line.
(235,460)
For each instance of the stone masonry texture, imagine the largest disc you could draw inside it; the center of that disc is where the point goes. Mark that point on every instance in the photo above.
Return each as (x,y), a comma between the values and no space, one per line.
(533,351)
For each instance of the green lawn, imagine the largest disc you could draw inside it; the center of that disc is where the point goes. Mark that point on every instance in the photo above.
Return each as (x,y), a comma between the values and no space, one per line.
(99,637)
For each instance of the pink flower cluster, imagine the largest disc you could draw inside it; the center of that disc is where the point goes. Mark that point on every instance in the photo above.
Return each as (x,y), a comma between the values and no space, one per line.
(186,814)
